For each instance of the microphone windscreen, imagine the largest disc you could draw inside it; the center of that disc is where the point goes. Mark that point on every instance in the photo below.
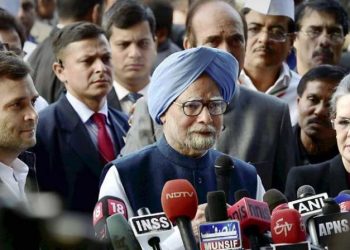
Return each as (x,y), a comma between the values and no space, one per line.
(179,199)
(342,198)
(120,233)
(241,193)
(223,165)
(305,191)
(105,207)
(216,206)
(274,198)
(345,192)
(330,207)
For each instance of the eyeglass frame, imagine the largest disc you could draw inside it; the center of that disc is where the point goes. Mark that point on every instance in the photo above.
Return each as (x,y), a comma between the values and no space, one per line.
(342,130)
(204,104)
(269,34)
(4,46)
(337,39)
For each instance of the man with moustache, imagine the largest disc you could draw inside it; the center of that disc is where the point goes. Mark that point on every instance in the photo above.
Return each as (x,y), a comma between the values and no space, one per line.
(270,37)
(190,110)
(321,27)
(79,134)
(18,121)
(314,136)
(256,126)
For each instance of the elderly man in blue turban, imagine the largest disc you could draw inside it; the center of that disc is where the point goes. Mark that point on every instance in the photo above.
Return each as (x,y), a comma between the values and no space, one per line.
(188,94)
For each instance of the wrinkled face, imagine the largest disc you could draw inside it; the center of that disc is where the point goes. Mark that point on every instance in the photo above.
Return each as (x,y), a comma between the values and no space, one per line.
(86,69)
(193,135)
(11,37)
(133,53)
(18,118)
(26,14)
(264,47)
(342,125)
(319,41)
(313,107)
(218,25)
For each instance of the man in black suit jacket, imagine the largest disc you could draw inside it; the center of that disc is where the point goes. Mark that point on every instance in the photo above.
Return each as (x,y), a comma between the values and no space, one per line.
(69,156)
(130,29)
(42,58)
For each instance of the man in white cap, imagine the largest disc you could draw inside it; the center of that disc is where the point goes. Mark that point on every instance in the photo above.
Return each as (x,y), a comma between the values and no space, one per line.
(270,38)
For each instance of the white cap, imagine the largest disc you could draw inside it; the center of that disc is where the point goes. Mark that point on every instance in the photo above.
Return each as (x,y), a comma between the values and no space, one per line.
(272,7)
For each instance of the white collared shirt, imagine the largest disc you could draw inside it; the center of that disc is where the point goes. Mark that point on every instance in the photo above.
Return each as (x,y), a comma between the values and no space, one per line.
(287,80)
(85,114)
(14,178)
(122,94)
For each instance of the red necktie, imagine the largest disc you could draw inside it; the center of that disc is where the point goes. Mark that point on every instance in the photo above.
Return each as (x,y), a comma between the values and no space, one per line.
(104,142)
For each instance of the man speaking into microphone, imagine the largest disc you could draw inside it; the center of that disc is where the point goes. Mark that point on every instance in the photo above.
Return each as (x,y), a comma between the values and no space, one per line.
(188,94)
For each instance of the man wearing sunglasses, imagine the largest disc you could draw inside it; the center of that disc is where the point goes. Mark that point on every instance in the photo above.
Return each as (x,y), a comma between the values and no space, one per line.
(270,39)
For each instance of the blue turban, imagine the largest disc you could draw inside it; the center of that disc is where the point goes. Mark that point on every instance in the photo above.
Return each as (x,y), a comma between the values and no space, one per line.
(179,70)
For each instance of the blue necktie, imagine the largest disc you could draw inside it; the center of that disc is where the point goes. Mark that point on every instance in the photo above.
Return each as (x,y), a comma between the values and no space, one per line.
(133,97)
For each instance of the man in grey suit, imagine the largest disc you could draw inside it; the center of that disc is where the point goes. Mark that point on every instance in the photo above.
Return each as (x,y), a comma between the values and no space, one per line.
(257,126)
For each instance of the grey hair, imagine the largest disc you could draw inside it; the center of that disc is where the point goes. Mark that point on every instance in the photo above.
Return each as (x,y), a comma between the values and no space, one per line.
(341,90)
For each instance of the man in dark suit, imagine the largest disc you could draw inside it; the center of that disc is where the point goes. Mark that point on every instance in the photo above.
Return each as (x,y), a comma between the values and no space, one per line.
(42,58)
(257,126)
(79,134)
(130,29)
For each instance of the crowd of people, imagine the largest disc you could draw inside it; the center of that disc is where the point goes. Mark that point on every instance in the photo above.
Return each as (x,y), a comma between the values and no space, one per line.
(113,98)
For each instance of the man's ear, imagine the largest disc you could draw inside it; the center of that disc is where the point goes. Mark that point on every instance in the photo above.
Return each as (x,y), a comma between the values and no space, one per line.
(96,14)
(186,43)
(298,99)
(58,68)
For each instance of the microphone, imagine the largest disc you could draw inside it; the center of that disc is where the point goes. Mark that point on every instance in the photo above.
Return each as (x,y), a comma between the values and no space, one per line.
(120,233)
(241,193)
(345,192)
(223,168)
(343,200)
(254,217)
(287,226)
(218,232)
(309,204)
(332,228)
(180,202)
(274,198)
(151,229)
(305,191)
(216,209)
(105,207)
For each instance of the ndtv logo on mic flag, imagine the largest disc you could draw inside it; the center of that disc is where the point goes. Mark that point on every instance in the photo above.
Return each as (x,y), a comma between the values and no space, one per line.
(224,235)
(309,205)
(175,195)
(150,223)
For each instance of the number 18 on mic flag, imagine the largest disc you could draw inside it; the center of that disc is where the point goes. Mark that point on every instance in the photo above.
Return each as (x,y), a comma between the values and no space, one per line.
(223,235)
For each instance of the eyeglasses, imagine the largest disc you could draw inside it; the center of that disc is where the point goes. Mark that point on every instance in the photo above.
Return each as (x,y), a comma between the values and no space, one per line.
(335,36)
(275,35)
(341,124)
(194,108)
(4,46)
